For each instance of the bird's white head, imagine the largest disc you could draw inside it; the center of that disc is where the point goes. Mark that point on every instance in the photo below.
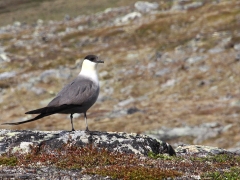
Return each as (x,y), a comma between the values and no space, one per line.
(89,67)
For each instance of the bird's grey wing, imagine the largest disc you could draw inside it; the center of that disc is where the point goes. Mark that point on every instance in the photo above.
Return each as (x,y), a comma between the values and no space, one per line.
(74,94)
(77,92)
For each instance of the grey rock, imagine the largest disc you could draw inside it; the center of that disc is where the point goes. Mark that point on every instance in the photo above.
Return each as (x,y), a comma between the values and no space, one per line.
(47,75)
(127,89)
(162,72)
(103,74)
(204,68)
(146,7)
(176,7)
(67,17)
(117,113)
(201,132)
(132,110)
(20,43)
(169,83)
(166,59)
(127,18)
(235,149)
(61,34)
(64,72)
(4,57)
(158,56)
(7,75)
(126,102)
(179,5)
(22,141)
(199,150)
(237,57)
(117,10)
(195,59)
(215,50)
(237,47)
(151,65)
(70,30)
(235,103)
(39,22)
(108,90)
(17,24)
(80,28)
(132,56)
(193,5)
(37,91)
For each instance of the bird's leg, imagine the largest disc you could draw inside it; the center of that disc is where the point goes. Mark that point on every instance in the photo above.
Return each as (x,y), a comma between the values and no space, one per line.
(85,116)
(71,116)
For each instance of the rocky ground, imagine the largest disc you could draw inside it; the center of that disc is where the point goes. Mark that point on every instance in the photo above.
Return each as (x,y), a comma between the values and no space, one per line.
(108,155)
(172,70)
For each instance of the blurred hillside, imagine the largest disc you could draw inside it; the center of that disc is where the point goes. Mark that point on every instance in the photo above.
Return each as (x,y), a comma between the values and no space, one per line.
(28,11)
(172,68)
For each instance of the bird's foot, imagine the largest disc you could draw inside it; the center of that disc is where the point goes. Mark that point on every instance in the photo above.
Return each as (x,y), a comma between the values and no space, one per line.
(73,129)
(87,130)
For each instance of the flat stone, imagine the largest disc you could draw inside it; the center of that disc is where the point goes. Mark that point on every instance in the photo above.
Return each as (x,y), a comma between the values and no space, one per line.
(162,72)
(7,75)
(200,150)
(146,7)
(200,133)
(237,47)
(128,17)
(113,141)
(126,102)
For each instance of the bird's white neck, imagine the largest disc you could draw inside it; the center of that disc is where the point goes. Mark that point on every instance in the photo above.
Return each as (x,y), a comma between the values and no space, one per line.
(89,69)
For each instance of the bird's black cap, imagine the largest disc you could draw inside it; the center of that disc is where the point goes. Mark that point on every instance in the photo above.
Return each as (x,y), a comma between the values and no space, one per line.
(93,58)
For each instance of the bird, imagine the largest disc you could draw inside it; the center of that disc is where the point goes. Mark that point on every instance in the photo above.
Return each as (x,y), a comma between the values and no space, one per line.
(76,97)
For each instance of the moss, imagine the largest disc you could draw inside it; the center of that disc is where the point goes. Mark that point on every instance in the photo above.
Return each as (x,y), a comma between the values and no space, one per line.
(233,173)
(158,156)
(8,161)
(221,158)
(97,161)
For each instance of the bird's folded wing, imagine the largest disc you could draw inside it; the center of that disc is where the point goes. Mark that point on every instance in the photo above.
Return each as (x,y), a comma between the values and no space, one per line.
(52,110)
(77,92)
(37,111)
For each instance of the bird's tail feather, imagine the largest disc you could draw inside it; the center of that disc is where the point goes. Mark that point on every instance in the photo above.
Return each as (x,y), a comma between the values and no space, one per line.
(22,122)
(46,111)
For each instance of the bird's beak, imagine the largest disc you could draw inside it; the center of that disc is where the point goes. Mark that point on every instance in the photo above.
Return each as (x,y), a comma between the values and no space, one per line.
(100,61)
